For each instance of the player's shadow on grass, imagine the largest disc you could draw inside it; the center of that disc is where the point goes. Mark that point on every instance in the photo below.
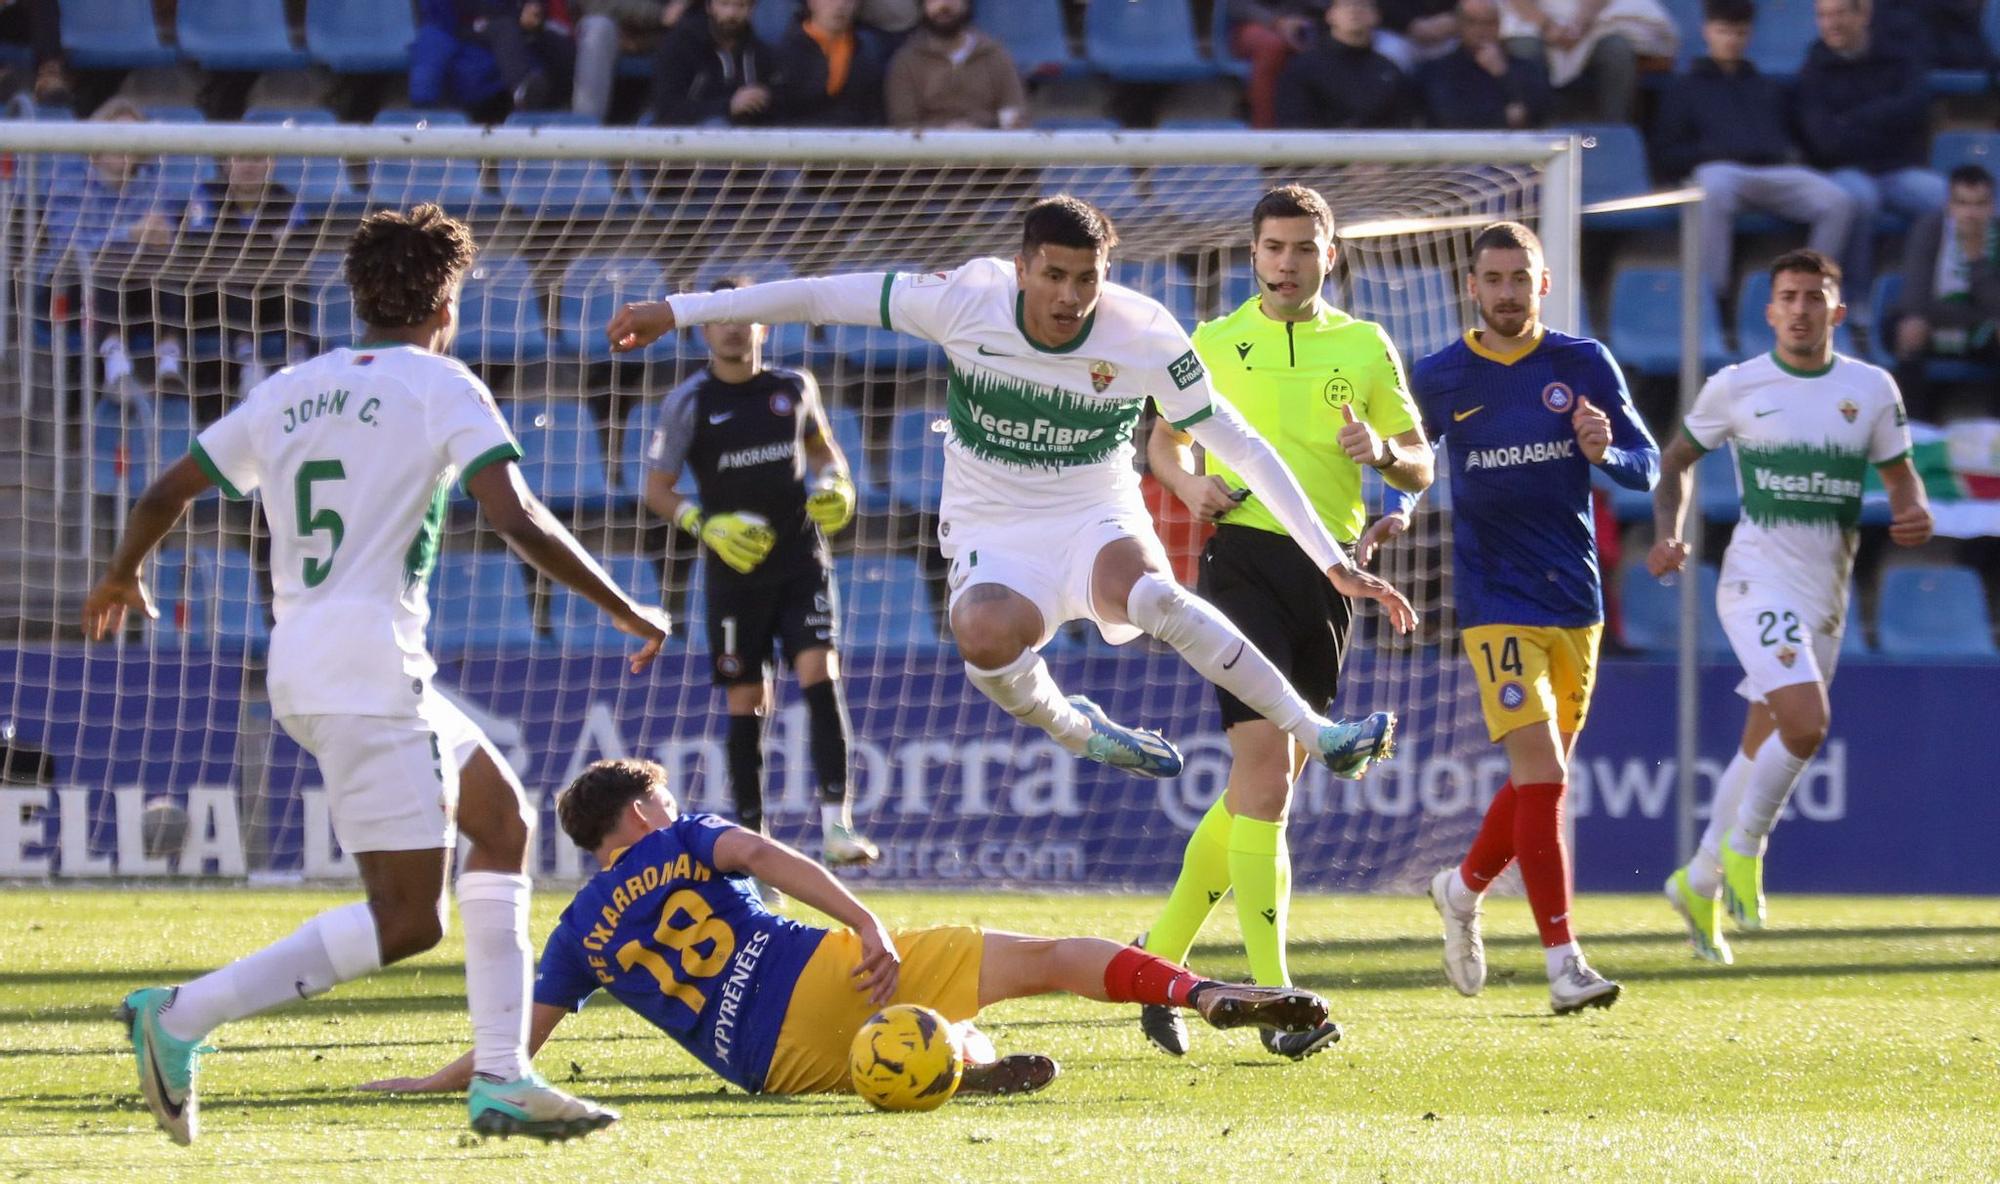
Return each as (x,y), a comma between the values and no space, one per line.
(1429,978)
(1429,944)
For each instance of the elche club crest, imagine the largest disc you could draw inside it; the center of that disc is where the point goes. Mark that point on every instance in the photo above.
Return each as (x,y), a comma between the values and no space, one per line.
(1848,411)
(1786,656)
(1557,397)
(1102,375)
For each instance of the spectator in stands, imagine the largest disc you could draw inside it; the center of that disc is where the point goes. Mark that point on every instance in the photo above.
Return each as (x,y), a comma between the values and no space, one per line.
(713,69)
(830,70)
(490,57)
(1864,113)
(37,24)
(949,74)
(1342,82)
(1591,48)
(1725,124)
(1268,33)
(1950,303)
(235,231)
(1481,85)
(604,30)
(113,228)
(1415,31)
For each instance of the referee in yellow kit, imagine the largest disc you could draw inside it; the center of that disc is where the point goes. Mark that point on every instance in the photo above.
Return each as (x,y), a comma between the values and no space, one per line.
(1329,394)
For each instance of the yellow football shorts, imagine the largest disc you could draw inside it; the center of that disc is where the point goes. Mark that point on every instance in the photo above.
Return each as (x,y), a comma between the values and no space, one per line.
(940,971)
(1529,674)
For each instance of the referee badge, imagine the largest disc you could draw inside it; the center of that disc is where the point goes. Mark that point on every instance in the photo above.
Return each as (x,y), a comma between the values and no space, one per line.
(1337,391)
(1558,398)
(1102,374)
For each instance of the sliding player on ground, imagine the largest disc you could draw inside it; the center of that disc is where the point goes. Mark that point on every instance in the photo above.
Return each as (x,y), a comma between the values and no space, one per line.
(673,931)
(1526,413)
(355,452)
(1042,518)
(770,485)
(1806,423)
(1328,392)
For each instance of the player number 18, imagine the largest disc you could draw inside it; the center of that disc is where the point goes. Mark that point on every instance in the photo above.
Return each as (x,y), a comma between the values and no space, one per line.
(702,925)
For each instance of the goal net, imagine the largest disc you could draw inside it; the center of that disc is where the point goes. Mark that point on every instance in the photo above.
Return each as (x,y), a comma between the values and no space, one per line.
(145,295)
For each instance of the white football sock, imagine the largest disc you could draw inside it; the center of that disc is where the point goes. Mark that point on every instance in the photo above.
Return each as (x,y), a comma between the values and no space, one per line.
(1555,956)
(1772,775)
(1221,654)
(1705,869)
(493,906)
(1024,689)
(832,814)
(1461,896)
(334,947)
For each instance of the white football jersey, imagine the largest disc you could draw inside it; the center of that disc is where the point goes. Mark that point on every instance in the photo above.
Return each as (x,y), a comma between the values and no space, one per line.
(355,452)
(1803,444)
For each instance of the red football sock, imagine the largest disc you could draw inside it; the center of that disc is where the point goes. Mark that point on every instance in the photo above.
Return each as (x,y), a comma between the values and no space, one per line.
(1493,848)
(1134,976)
(1538,840)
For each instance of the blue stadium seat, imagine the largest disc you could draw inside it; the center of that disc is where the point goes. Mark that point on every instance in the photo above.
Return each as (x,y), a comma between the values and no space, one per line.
(632,454)
(1205,192)
(581,627)
(1716,494)
(1111,188)
(592,290)
(1614,167)
(1144,41)
(1783,32)
(1754,334)
(852,437)
(479,603)
(238,35)
(1933,612)
(1954,148)
(771,20)
(1203,125)
(405,181)
(1420,309)
(563,458)
(501,317)
(1032,31)
(324,290)
(314,180)
(1076,123)
(557,188)
(916,459)
(112,35)
(1227,63)
(239,606)
(1653,614)
(1646,323)
(1164,281)
(360,36)
(886,606)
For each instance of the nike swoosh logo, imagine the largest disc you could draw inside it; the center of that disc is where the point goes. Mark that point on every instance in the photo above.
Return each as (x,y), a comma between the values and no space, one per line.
(720,417)
(984,352)
(1762,414)
(175,1106)
(1231,663)
(1462,416)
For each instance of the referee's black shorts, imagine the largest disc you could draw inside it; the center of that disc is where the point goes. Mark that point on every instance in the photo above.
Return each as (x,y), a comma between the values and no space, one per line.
(1265,583)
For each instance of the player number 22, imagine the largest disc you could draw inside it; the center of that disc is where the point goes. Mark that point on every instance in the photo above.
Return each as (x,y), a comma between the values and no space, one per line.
(702,925)
(312,522)
(1770,620)
(1510,659)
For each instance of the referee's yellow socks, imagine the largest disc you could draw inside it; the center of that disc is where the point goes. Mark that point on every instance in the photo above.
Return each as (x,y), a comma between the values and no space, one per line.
(1260,869)
(1203,880)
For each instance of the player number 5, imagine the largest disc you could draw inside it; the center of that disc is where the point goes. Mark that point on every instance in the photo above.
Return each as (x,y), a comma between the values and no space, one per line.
(312,521)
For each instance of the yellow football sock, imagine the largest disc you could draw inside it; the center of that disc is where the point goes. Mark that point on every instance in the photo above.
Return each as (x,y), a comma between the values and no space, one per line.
(1203,881)
(1260,869)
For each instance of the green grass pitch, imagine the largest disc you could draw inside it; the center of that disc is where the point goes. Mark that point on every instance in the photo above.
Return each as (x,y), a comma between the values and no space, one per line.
(1858,1039)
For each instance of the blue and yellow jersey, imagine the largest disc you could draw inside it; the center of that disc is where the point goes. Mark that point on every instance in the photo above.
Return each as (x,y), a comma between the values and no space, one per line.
(686,946)
(1524,547)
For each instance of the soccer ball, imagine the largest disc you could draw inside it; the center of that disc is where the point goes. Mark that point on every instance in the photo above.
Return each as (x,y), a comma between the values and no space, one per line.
(906,1057)
(163,828)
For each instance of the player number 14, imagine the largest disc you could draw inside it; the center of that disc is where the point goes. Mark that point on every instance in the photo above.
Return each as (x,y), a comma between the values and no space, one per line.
(1510,659)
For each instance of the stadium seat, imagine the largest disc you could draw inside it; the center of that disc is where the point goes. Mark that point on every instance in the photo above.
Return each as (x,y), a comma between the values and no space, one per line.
(1032,31)
(1144,41)
(479,603)
(771,20)
(916,459)
(1205,193)
(1614,167)
(1652,612)
(1754,334)
(1954,148)
(1716,494)
(360,36)
(405,181)
(1076,123)
(315,180)
(1783,32)
(852,436)
(112,35)
(557,189)
(501,317)
(1164,281)
(886,606)
(323,289)
(592,290)
(238,604)
(1420,309)
(1933,612)
(632,454)
(1227,63)
(1646,323)
(238,35)
(1203,125)
(581,627)
(563,458)
(1111,188)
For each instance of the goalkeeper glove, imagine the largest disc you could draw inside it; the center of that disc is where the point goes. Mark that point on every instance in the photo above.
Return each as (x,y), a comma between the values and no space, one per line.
(831,503)
(741,540)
